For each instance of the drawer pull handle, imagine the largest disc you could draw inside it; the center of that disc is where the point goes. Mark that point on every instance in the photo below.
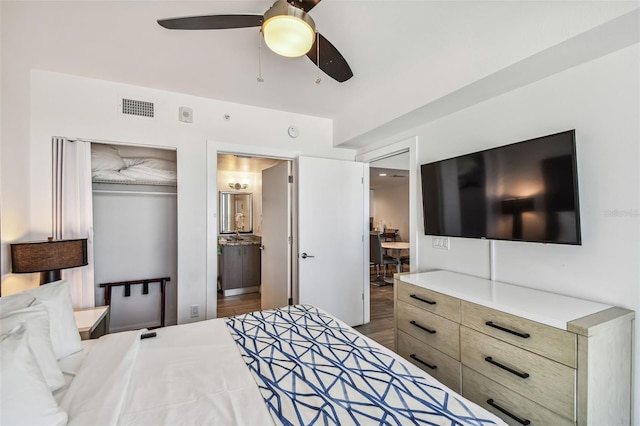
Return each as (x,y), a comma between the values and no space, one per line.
(504,367)
(517,333)
(524,422)
(413,356)
(431,302)
(428,330)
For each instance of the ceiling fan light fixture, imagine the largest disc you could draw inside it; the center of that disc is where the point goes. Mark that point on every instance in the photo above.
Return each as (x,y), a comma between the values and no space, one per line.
(287,30)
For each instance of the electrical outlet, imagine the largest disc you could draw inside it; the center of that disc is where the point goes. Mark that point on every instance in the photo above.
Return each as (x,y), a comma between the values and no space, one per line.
(194,311)
(441,243)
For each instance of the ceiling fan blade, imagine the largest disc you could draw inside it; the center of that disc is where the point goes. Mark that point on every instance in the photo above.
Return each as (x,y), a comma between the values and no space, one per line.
(332,62)
(212,22)
(305,5)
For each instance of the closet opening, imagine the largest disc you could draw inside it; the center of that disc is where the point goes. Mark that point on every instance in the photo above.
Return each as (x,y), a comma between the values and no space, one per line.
(254,233)
(134,195)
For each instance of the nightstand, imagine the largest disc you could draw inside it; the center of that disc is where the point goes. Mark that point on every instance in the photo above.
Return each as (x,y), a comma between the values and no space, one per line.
(92,322)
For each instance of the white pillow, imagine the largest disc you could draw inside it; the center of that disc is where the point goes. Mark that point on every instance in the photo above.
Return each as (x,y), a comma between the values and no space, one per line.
(24,395)
(105,157)
(36,321)
(56,297)
(15,301)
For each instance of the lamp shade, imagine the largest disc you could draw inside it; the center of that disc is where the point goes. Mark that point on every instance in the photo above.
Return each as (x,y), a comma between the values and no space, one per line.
(287,30)
(516,205)
(39,256)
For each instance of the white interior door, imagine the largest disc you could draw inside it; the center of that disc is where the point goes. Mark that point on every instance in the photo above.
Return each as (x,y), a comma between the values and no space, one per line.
(331,224)
(276,230)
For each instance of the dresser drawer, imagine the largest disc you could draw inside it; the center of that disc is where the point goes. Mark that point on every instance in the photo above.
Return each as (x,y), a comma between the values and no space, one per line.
(429,328)
(438,303)
(550,342)
(540,379)
(441,366)
(500,401)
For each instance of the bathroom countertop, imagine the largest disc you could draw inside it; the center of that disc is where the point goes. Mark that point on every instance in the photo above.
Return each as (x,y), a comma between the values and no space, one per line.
(244,240)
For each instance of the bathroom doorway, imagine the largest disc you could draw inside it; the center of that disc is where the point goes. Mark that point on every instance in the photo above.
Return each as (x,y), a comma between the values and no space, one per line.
(254,263)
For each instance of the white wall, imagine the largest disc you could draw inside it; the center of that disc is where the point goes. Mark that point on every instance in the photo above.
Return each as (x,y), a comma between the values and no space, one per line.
(135,237)
(599,99)
(64,105)
(391,205)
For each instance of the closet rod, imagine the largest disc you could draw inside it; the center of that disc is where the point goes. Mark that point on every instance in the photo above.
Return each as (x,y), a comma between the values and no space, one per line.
(111,191)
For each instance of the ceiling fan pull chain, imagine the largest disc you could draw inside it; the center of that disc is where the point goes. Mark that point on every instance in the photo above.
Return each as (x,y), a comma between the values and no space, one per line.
(260,79)
(318,80)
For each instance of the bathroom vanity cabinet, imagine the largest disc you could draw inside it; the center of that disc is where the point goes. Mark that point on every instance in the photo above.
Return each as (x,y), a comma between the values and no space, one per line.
(239,268)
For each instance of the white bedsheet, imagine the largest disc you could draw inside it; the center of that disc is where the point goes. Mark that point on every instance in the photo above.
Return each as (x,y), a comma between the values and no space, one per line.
(70,365)
(188,374)
(191,374)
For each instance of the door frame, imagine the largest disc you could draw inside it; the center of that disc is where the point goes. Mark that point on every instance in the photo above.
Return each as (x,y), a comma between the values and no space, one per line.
(213,149)
(409,144)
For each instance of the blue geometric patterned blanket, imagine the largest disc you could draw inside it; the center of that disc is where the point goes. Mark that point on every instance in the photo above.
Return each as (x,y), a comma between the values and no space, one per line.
(314,370)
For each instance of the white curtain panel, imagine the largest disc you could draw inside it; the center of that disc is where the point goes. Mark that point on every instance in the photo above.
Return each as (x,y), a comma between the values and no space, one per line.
(73,211)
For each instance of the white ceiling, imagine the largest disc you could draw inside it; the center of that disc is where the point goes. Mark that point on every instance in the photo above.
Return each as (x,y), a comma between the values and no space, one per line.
(405,55)
(384,178)
(239,163)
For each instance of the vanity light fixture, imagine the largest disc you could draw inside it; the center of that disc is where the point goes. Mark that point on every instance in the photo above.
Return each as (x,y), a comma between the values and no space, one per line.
(237,186)
(288,30)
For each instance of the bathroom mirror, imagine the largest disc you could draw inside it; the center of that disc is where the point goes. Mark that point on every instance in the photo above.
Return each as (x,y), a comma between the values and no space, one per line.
(235,210)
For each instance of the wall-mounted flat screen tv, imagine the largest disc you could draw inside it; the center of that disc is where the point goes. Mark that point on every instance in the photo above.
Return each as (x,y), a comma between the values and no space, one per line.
(526,191)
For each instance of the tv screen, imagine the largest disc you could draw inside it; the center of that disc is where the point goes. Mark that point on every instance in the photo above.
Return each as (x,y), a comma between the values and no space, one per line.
(526,191)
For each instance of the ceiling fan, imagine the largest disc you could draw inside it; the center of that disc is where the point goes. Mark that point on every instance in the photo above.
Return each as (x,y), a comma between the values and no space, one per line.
(287,28)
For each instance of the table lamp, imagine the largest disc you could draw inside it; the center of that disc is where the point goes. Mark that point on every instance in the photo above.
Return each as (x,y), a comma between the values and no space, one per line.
(48,257)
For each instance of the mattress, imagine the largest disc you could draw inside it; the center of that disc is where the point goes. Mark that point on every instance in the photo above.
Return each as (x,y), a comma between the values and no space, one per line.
(294,365)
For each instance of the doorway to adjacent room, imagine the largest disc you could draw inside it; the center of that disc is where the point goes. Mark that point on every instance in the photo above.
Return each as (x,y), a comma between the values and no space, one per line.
(388,223)
(389,216)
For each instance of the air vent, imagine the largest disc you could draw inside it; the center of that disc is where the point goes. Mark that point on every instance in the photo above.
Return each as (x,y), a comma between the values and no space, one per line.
(139,108)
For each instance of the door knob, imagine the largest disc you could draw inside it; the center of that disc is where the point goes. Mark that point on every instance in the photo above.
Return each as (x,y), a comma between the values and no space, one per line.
(305,255)
(261,247)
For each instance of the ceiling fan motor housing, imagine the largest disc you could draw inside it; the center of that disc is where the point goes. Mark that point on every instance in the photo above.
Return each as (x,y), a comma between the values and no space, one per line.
(288,30)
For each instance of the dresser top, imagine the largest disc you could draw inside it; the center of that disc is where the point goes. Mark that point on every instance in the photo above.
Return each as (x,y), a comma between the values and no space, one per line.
(536,305)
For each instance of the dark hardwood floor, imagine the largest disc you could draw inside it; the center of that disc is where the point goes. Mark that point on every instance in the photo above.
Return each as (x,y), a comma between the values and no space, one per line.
(379,329)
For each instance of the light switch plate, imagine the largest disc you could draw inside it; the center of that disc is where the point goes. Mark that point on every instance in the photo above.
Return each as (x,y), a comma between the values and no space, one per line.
(441,243)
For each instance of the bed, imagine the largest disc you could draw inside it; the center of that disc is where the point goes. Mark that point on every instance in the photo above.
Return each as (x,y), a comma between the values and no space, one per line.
(296,365)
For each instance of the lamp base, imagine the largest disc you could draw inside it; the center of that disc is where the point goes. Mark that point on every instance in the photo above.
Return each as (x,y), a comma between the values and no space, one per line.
(50,276)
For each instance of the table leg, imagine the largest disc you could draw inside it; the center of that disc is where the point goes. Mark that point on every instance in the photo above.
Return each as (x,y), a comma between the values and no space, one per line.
(398,266)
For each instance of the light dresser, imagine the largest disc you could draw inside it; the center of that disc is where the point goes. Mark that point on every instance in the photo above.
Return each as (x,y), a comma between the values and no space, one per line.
(529,356)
